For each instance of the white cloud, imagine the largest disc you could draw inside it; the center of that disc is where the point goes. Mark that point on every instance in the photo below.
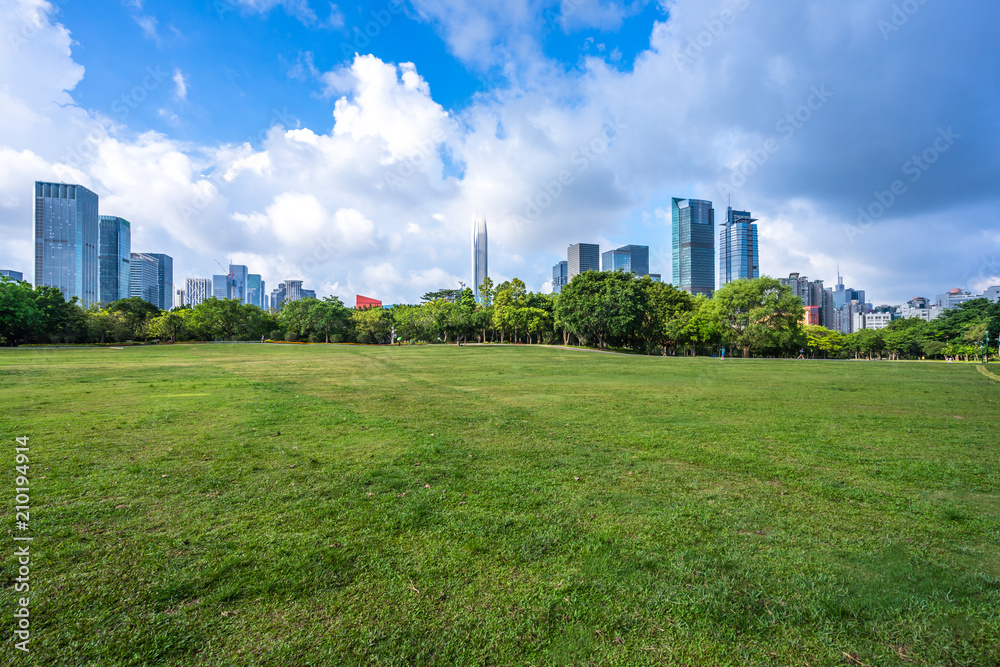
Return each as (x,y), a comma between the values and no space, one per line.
(180,86)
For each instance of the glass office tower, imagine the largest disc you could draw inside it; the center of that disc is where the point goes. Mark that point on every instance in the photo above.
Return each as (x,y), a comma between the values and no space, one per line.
(582,257)
(738,247)
(560,276)
(66,241)
(480,268)
(238,278)
(143,281)
(113,259)
(630,258)
(694,245)
(164,280)
(255,291)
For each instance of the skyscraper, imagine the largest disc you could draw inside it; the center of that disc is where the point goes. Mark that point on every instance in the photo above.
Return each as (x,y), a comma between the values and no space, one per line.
(630,258)
(560,276)
(115,235)
(66,240)
(143,281)
(164,280)
(738,256)
(197,290)
(582,257)
(13,275)
(694,245)
(479,264)
(220,287)
(238,276)
(255,291)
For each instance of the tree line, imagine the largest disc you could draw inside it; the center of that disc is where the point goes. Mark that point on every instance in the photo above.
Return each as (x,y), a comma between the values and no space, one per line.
(618,310)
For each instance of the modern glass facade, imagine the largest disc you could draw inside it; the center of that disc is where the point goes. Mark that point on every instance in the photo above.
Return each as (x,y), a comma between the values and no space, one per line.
(560,276)
(630,258)
(255,291)
(66,240)
(583,257)
(220,287)
(143,281)
(738,256)
(115,236)
(13,275)
(164,280)
(197,290)
(693,245)
(239,276)
(480,267)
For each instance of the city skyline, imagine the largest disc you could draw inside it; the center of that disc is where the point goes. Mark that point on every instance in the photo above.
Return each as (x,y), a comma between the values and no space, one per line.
(584,126)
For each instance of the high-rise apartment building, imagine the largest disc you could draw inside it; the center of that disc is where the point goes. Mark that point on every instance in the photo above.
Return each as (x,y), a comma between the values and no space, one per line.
(582,257)
(560,276)
(114,255)
(164,280)
(197,290)
(480,268)
(738,256)
(66,240)
(813,295)
(693,245)
(630,258)
(143,281)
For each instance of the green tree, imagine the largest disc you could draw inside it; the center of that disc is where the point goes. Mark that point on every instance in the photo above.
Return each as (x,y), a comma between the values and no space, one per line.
(373,325)
(20,316)
(328,316)
(137,313)
(168,325)
(108,326)
(822,340)
(667,317)
(600,306)
(756,314)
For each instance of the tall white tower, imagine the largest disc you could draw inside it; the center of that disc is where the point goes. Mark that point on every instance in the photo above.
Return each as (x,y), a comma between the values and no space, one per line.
(479,267)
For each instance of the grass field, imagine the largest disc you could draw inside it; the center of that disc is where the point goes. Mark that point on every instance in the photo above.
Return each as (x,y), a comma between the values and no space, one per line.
(340,505)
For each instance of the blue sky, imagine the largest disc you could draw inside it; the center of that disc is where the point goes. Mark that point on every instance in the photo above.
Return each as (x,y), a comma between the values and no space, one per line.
(351,145)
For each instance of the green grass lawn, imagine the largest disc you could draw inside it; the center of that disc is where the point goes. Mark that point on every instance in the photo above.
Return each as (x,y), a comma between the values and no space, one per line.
(340,505)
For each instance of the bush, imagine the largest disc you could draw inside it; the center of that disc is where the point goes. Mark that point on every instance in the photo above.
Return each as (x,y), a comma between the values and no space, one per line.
(276,335)
(291,337)
(337,338)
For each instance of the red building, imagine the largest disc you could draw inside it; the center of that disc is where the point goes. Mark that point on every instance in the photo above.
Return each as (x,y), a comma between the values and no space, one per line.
(367,302)
(810,315)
